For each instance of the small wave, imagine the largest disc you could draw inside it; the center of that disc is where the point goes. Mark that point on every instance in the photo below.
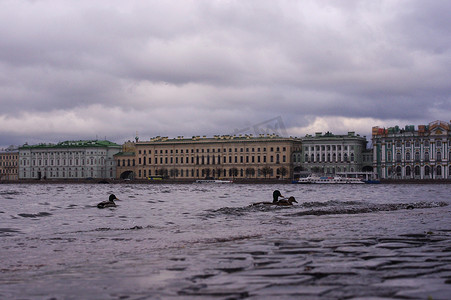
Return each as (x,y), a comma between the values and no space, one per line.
(323,208)
(114,229)
(230,238)
(8,231)
(368,208)
(10,192)
(40,214)
(235,211)
(330,203)
(240,211)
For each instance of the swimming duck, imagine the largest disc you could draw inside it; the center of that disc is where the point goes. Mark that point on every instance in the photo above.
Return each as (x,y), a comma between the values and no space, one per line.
(275,196)
(109,203)
(286,202)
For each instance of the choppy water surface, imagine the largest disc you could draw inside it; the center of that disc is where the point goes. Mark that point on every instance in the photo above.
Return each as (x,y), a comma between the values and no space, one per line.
(207,241)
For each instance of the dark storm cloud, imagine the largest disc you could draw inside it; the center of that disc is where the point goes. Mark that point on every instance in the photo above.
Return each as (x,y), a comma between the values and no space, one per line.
(111,68)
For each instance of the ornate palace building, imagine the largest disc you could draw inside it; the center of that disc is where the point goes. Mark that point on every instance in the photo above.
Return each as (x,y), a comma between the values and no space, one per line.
(409,153)
(68,160)
(243,156)
(330,154)
(9,164)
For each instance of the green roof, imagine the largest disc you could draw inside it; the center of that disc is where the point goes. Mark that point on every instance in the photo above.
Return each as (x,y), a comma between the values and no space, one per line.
(73,144)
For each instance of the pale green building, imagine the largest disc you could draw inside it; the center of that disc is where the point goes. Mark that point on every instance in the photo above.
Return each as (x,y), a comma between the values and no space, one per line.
(68,160)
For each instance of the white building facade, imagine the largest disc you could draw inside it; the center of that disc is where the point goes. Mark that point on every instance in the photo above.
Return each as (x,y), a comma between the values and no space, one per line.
(68,160)
(410,153)
(330,154)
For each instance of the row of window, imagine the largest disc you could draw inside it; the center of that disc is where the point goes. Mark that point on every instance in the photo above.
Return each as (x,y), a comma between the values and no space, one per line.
(171,151)
(329,158)
(328,148)
(428,171)
(62,173)
(204,160)
(233,172)
(330,170)
(408,156)
(8,157)
(64,162)
(65,153)
(207,160)
(417,143)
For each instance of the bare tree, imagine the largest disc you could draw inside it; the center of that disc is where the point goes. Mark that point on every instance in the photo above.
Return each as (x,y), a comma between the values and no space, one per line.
(266,171)
(282,171)
(250,172)
(234,172)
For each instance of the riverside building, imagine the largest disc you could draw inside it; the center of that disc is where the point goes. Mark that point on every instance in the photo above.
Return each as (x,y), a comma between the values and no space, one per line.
(409,153)
(68,160)
(330,154)
(243,156)
(9,164)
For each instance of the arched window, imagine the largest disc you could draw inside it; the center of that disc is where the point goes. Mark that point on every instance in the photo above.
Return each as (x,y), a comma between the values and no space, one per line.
(426,156)
(398,156)
(345,157)
(417,156)
(439,170)
(312,158)
(398,171)
(427,171)
(352,156)
(408,171)
(417,143)
(408,156)
(306,157)
(417,170)
(439,155)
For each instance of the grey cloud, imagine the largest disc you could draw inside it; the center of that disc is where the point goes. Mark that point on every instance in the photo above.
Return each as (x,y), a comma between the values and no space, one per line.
(213,66)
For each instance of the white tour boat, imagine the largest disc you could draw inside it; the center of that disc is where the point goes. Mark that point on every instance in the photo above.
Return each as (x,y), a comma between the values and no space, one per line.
(328,180)
(213,181)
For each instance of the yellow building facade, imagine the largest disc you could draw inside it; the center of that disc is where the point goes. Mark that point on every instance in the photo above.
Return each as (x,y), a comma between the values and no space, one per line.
(225,157)
(9,165)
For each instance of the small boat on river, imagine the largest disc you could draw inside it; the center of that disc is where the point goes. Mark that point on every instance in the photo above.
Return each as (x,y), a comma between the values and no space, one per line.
(213,181)
(328,180)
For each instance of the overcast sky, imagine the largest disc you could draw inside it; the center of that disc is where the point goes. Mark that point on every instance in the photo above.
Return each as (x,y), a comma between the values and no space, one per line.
(111,69)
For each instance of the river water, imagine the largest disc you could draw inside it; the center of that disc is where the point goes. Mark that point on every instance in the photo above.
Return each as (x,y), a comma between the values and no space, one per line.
(206,241)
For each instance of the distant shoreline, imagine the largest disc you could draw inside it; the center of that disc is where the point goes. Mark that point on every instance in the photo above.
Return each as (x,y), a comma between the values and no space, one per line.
(140,181)
(191,181)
